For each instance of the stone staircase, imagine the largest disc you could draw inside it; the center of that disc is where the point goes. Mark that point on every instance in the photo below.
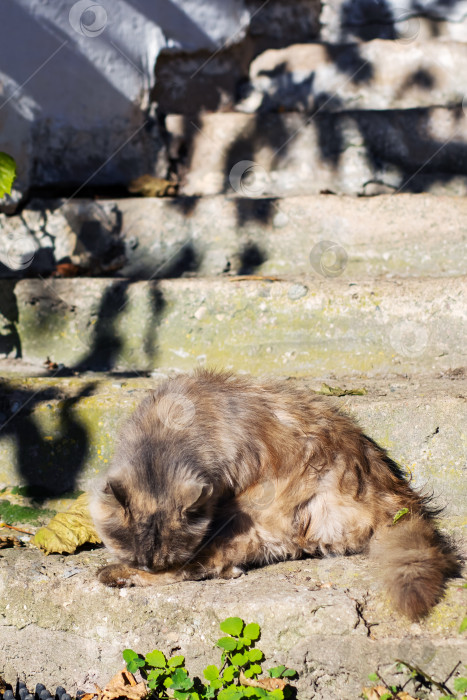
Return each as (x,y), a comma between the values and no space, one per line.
(267,262)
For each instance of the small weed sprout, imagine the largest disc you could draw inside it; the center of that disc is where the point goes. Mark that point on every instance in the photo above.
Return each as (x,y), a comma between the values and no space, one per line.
(238,675)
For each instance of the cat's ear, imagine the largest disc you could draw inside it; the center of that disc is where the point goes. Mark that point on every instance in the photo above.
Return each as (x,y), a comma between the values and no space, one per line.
(195,494)
(117,490)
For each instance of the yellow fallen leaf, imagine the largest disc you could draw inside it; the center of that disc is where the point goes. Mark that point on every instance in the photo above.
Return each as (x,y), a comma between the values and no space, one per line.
(68,531)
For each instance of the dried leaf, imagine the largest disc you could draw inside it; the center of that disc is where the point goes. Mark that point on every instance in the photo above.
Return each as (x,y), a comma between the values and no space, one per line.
(10,542)
(67,270)
(68,531)
(151,186)
(122,685)
(51,366)
(337,391)
(266,683)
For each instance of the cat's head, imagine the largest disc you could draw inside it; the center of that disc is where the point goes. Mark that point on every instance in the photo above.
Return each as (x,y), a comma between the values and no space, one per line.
(152,531)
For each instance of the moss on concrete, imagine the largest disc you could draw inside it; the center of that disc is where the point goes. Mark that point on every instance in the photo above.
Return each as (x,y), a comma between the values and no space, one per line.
(255,326)
(14,514)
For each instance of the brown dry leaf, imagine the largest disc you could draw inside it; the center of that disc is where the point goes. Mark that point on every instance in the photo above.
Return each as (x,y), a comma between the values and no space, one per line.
(122,685)
(68,531)
(379,690)
(266,683)
(50,364)
(7,541)
(151,186)
(67,270)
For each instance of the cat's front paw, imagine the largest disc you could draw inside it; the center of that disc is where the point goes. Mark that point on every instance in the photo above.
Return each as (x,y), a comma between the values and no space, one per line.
(116,576)
(231,572)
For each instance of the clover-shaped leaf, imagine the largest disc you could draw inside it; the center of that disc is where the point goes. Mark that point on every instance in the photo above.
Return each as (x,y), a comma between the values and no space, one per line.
(233,626)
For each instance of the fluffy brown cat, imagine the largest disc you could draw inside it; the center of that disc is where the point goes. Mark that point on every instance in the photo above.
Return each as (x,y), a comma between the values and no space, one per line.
(215,472)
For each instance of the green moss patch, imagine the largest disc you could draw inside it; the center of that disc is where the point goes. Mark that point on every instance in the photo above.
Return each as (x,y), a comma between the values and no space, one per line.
(11,513)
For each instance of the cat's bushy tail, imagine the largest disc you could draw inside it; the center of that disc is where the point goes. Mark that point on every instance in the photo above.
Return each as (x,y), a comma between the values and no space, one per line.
(415,562)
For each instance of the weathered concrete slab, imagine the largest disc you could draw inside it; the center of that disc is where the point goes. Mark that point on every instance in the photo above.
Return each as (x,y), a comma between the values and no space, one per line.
(107,53)
(379,75)
(304,325)
(352,152)
(153,238)
(326,618)
(189,80)
(403,21)
(59,432)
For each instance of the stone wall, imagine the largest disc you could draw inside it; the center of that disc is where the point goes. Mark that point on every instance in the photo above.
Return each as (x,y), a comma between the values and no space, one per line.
(87,87)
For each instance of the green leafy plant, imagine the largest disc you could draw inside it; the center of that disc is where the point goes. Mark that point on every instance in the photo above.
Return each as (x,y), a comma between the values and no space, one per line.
(238,675)
(7,173)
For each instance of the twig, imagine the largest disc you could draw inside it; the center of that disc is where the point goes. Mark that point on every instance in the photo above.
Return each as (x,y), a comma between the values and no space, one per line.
(386,685)
(18,529)
(416,669)
(256,278)
(453,670)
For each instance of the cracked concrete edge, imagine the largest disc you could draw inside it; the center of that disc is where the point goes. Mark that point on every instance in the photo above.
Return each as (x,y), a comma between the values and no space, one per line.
(304,324)
(324,617)
(149,235)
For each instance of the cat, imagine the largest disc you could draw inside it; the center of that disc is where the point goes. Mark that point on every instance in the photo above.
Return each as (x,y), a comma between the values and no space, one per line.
(214,473)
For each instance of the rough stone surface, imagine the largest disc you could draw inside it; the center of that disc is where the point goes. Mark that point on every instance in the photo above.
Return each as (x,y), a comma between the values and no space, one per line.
(326,618)
(59,432)
(152,238)
(188,81)
(401,20)
(75,105)
(379,75)
(339,325)
(355,152)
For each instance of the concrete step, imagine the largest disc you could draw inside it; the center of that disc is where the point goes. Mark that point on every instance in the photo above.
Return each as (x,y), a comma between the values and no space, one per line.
(303,325)
(61,430)
(326,618)
(360,21)
(152,237)
(378,75)
(352,152)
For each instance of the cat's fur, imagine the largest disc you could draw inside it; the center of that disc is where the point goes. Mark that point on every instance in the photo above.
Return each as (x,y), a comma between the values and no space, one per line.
(216,472)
